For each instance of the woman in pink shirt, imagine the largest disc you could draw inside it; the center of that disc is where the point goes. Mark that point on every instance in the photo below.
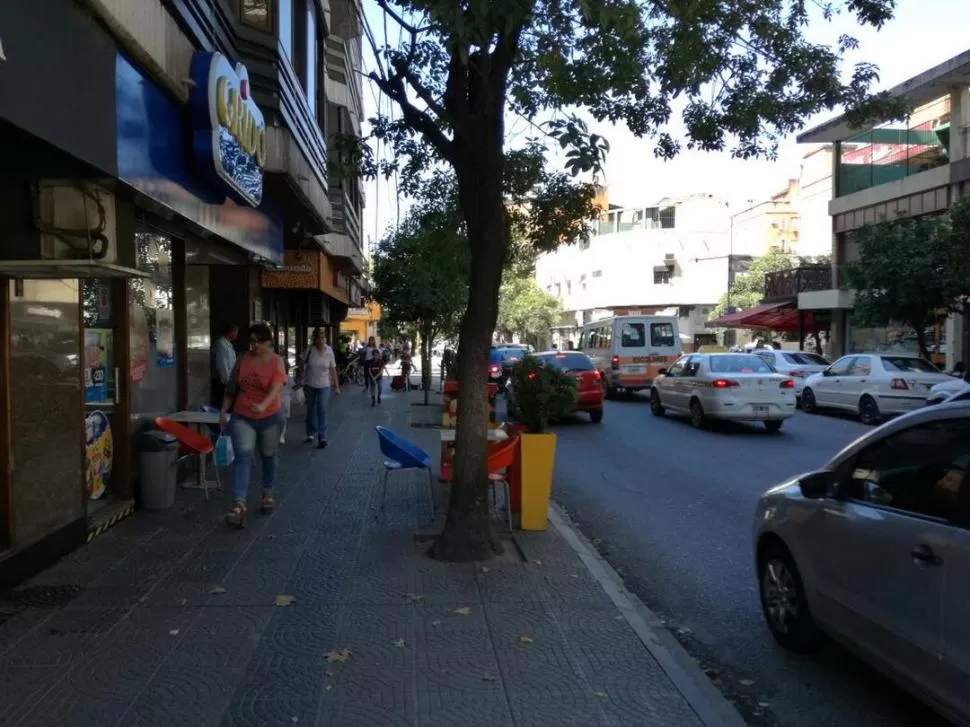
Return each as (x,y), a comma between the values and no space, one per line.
(253,394)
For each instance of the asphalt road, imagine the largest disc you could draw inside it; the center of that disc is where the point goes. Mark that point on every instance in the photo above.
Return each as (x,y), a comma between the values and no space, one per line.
(671,509)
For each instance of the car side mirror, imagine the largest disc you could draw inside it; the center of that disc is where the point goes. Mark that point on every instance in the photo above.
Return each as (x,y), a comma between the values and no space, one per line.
(816,485)
(661,372)
(826,372)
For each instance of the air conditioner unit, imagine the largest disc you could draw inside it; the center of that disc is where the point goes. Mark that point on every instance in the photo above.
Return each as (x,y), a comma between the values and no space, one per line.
(669,259)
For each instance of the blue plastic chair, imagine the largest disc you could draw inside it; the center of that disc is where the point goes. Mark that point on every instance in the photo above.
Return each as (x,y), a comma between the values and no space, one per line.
(213,428)
(402,455)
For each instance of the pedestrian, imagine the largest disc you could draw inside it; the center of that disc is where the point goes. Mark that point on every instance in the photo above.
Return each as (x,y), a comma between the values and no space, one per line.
(406,366)
(224,352)
(319,379)
(374,363)
(253,395)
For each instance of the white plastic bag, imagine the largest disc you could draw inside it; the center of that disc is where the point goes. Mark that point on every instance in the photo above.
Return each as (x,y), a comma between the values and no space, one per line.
(299,397)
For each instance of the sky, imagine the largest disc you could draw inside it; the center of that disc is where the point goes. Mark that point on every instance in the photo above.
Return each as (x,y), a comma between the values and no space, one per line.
(923,34)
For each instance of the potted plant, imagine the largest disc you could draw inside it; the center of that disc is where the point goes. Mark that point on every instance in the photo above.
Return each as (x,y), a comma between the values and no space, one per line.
(539,396)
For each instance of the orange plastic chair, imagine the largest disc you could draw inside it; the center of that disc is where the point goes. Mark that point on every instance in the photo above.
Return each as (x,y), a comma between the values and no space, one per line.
(500,461)
(191,443)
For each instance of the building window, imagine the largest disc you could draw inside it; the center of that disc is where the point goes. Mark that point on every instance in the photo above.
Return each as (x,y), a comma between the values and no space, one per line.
(661,276)
(286,26)
(684,311)
(310,74)
(597,273)
(256,14)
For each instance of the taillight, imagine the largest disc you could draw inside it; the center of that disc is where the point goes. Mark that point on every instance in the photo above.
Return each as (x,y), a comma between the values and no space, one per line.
(787,384)
(898,384)
(724,384)
(494,368)
(615,362)
(597,376)
(531,376)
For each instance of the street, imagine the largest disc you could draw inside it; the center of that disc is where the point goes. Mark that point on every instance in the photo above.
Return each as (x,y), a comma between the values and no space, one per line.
(671,509)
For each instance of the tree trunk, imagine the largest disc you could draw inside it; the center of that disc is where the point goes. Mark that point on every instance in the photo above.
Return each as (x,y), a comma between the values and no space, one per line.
(467,534)
(426,361)
(921,341)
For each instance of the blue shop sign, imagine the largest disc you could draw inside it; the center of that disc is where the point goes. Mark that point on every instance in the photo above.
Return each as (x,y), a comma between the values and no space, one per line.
(228,131)
(156,155)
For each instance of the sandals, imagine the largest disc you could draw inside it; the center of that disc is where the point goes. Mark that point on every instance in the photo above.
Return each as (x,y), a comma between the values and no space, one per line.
(268,503)
(237,515)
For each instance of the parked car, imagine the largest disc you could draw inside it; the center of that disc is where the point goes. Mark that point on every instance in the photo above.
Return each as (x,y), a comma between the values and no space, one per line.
(944,390)
(589,384)
(500,362)
(734,386)
(872,384)
(797,364)
(873,549)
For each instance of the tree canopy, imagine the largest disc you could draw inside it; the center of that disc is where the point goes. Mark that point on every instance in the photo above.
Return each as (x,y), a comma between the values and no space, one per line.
(526,311)
(914,270)
(748,287)
(737,76)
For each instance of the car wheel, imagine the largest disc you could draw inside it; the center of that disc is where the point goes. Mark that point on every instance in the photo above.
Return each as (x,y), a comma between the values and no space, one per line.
(596,415)
(773,425)
(783,600)
(697,417)
(808,401)
(868,410)
(656,408)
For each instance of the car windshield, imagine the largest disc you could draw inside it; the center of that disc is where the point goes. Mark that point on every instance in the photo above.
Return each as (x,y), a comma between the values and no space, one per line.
(568,361)
(739,364)
(803,358)
(908,364)
(510,354)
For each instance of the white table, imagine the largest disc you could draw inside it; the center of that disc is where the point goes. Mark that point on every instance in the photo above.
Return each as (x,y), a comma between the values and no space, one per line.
(494,435)
(201,420)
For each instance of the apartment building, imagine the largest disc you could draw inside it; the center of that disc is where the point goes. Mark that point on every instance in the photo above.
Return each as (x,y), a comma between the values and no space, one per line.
(916,166)
(671,258)
(160,157)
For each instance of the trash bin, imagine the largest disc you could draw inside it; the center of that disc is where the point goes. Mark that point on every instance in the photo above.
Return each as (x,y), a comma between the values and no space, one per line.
(158,454)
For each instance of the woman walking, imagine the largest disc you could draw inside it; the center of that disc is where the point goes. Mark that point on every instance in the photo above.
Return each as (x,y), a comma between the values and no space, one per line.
(374,370)
(253,394)
(319,378)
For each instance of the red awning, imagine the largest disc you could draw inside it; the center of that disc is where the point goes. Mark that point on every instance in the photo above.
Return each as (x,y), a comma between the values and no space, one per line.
(768,316)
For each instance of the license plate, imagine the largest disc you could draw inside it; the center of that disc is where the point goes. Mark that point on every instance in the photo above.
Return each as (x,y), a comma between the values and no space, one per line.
(760,411)
(631,369)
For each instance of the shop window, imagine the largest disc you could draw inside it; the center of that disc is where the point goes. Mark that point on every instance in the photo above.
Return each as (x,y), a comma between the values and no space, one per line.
(256,14)
(153,373)
(198,328)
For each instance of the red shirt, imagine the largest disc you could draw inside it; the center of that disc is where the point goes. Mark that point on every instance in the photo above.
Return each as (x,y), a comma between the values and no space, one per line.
(255,380)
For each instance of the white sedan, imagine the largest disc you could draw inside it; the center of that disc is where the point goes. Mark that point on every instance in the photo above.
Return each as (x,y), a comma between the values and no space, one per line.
(734,386)
(941,392)
(797,364)
(873,385)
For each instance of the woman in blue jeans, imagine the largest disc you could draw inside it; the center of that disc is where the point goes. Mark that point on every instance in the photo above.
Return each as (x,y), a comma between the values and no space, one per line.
(319,379)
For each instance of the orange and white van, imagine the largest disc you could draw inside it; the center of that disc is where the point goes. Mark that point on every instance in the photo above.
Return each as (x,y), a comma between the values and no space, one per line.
(629,351)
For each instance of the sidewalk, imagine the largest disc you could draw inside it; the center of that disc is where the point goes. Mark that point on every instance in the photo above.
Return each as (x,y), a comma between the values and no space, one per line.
(324,614)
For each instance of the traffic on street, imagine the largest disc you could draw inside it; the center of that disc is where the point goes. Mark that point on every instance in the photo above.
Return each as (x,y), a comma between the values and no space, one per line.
(671,507)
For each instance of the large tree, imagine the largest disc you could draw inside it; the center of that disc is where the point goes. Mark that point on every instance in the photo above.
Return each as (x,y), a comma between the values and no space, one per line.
(914,270)
(748,288)
(739,75)
(526,311)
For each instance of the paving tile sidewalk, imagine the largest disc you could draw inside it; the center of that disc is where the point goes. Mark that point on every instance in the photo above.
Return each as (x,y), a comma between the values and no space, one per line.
(172,619)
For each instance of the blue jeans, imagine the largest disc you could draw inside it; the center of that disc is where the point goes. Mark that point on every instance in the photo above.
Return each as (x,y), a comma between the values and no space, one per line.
(317,402)
(248,435)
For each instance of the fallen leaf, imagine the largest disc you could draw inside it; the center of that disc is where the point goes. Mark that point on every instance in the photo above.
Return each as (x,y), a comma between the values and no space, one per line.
(747,682)
(526,639)
(216,590)
(618,618)
(601,695)
(764,704)
(328,673)
(173,632)
(463,611)
(597,541)
(413,597)
(341,655)
(485,569)
(537,562)
(294,719)
(436,622)
(283,600)
(399,643)
(489,678)
(328,687)
(183,602)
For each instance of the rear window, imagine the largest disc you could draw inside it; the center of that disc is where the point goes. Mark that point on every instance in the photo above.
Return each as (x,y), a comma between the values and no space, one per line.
(508,354)
(632,335)
(739,364)
(661,334)
(908,364)
(801,358)
(568,361)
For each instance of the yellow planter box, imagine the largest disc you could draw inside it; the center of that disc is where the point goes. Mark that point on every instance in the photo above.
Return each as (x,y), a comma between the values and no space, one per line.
(538,452)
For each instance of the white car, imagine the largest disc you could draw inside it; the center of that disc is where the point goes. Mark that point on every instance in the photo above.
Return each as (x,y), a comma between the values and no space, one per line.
(941,392)
(797,364)
(873,385)
(874,550)
(735,386)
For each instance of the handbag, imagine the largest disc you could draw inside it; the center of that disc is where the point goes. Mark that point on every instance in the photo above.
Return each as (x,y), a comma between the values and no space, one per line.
(223,455)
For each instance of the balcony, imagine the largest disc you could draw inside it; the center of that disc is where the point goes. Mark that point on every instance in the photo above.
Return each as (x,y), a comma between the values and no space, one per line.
(787,284)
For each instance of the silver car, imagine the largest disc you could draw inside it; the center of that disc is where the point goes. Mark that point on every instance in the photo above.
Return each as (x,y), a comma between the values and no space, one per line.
(874,550)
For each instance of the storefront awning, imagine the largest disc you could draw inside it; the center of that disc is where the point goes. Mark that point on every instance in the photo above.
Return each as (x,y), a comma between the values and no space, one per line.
(782,317)
(53,269)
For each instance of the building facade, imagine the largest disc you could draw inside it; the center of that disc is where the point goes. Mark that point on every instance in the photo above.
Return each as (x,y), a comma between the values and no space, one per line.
(916,166)
(671,258)
(160,157)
